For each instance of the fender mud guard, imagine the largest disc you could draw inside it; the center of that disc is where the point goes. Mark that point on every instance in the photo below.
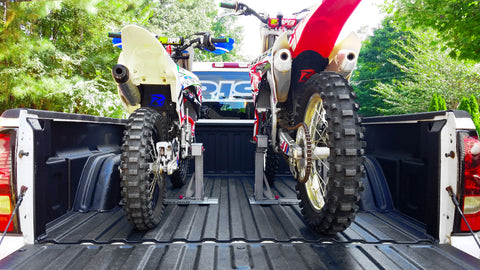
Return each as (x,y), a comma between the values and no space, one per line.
(320,29)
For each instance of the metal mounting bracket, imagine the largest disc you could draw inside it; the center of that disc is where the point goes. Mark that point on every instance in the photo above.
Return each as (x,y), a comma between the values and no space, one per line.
(195,190)
(262,193)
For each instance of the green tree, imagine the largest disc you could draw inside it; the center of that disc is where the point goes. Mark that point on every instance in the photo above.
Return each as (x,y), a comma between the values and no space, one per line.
(375,66)
(474,112)
(437,103)
(442,104)
(456,23)
(55,55)
(187,17)
(464,105)
(470,105)
(434,103)
(428,70)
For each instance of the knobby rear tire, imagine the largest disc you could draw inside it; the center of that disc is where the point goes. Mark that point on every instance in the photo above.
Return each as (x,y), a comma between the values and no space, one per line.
(143,208)
(341,171)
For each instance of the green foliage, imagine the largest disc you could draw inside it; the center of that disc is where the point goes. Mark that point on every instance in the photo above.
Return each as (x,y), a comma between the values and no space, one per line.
(474,112)
(183,18)
(407,63)
(455,21)
(55,55)
(434,103)
(464,105)
(437,103)
(443,104)
(470,105)
(428,70)
(375,66)
(51,51)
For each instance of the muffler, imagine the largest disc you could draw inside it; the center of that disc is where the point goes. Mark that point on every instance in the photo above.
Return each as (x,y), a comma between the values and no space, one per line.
(126,88)
(282,68)
(344,62)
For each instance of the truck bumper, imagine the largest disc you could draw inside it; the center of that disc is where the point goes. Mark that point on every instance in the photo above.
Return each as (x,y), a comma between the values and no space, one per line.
(467,244)
(10,244)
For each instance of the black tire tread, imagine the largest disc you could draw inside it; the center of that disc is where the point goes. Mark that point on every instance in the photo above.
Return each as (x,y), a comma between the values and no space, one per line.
(179,177)
(134,167)
(272,161)
(346,144)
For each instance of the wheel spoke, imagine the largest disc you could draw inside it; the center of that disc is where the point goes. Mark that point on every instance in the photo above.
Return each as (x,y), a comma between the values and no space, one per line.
(153,169)
(322,178)
(153,151)
(316,190)
(153,184)
(322,107)
(317,126)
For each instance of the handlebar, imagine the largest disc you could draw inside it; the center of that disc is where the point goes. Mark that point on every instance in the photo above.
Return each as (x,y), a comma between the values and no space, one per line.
(178,40)
(171,40)
(203,40)
(114,35)
(219,40)
(229,6)
(244,10)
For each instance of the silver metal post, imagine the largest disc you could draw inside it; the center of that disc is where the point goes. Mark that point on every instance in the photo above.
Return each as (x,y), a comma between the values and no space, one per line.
(262,144)
(195,194)
(197,153)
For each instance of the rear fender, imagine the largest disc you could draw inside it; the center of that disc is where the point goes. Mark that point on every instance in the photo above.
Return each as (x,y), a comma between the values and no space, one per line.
(147,60)
(319,30)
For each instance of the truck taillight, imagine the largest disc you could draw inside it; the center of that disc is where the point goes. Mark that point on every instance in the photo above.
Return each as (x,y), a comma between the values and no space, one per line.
(471,185)
(6,187)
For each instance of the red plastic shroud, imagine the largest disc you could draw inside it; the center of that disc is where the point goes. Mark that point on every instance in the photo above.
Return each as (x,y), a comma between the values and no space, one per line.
(319,31)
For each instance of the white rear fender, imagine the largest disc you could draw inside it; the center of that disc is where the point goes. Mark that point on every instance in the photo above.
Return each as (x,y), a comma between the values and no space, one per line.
(147,60)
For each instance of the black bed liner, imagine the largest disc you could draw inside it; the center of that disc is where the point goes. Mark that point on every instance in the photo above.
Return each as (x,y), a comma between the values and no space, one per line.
(235,235)
(244,256)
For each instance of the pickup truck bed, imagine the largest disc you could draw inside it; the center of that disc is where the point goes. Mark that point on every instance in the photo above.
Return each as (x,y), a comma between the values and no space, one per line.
(235,234)
(232,234)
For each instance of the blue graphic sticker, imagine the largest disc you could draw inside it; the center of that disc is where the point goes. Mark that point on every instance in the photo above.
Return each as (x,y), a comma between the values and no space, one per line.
(158,100)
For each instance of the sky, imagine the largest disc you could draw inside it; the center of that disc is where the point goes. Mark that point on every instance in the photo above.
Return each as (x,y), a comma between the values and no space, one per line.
(366,14)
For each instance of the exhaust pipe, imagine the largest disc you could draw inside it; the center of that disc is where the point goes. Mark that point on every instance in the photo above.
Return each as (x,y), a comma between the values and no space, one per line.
(344,62)
(126,88)
(282,68)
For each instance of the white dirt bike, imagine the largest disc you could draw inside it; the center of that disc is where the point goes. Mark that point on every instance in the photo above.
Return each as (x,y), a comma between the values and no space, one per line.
(155,82)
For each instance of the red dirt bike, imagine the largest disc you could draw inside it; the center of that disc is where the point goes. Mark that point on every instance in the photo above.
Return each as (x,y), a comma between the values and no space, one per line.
(305,105)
